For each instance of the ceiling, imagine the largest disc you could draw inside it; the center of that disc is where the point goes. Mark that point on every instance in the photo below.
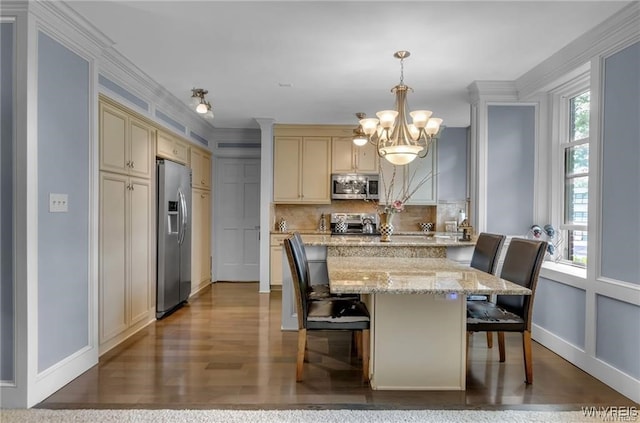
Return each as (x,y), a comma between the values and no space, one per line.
(321,62)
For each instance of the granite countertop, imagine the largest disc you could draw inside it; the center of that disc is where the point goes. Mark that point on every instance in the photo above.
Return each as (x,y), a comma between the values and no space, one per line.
(317,232)
(417,240)
(364,275)
(301,232)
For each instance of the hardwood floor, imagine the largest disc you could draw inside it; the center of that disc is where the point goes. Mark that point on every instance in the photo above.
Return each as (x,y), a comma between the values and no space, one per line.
(225,349)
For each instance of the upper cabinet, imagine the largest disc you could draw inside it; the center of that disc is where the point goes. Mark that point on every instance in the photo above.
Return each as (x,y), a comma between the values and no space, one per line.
(346,157)
(169,147)
(200,162)
(302,170)
(303,161)
(409,176)
(126,143)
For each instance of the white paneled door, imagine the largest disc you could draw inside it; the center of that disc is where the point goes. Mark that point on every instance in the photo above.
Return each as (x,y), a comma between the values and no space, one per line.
(237,220)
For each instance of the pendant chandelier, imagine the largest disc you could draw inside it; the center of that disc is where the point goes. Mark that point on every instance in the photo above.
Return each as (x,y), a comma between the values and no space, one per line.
(397,141)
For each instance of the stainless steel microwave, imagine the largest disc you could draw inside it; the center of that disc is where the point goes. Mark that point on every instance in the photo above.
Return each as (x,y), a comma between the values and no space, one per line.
(355,186)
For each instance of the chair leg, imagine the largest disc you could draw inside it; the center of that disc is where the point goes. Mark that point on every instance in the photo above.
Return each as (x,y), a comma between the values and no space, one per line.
(489,340)
(302,345)
(366,344)
(501,346)
(528,359)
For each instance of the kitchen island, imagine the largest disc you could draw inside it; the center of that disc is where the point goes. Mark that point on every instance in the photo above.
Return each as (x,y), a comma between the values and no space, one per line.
(418,316)
(320,246)
(415,290)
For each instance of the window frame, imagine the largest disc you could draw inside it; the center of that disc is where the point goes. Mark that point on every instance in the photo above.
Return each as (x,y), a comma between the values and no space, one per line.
(561,126)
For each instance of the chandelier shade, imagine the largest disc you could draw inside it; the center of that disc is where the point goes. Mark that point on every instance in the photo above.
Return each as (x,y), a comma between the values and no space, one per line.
(397,140)
(359,137)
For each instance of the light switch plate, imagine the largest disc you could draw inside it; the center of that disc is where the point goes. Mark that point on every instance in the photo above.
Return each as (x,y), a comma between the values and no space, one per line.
(58,203)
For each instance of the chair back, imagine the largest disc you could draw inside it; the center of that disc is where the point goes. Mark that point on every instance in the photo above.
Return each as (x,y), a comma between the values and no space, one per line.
(299,278)
(304,262)
(486,252)
(522,266)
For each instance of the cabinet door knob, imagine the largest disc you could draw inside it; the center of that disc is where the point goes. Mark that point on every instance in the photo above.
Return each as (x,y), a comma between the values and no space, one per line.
(133,164)
(202,182)
(201,195)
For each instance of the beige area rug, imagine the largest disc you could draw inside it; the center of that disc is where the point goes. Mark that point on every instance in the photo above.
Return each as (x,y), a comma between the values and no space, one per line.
(297,416)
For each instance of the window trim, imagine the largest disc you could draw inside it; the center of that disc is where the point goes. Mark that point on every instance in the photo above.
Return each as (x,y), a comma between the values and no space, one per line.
(560,130)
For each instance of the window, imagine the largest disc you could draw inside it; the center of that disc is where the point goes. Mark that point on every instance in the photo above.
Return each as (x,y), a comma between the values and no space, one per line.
(574,144)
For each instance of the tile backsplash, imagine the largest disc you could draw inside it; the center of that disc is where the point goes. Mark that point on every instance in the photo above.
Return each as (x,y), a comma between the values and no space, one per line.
(448,211)
(307,217)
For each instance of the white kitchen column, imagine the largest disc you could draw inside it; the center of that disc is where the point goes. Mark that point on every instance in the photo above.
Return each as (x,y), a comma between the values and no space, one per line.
(266,194)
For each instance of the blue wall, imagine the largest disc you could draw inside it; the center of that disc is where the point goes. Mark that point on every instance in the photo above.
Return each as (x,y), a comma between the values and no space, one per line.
(617,340)
(618,336)
(63,167)
(554,299)
(510,169)
(621,167)
(452,165)
(7,317)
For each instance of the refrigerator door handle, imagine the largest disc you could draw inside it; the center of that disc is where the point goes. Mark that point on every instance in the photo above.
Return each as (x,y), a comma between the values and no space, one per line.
(183,217)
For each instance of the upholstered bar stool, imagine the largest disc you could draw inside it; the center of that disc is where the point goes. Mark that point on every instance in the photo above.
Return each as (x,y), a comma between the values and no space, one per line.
(332,314)
(512,313)
(485,257)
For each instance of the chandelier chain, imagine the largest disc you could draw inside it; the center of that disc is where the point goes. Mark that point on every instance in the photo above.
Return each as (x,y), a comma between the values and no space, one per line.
(402,71)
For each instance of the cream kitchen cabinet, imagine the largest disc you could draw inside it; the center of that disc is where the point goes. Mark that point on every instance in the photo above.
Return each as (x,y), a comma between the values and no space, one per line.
(126,143)
(302,169)
(126,256)
(200,239)
(346,157)
(275,256)
(408,176)
(169,147)
(200,162)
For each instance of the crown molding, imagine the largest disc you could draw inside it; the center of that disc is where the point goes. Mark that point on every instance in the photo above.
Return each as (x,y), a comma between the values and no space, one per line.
(74,31)
(613,32)
(125,73)
(58,19)
(492,91)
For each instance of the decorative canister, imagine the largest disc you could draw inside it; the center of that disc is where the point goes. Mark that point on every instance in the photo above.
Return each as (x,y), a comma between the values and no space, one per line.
(282,225)
(386,228)
(322,226)
(426,226)
(341,226)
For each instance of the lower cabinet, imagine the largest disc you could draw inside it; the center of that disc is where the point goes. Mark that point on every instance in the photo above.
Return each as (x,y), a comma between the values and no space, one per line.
(127,257)
(200,239)
(275,259)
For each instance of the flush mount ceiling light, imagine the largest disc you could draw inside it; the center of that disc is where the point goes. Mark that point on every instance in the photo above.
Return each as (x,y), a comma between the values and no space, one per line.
(359,137)
(201,105)
(399,142)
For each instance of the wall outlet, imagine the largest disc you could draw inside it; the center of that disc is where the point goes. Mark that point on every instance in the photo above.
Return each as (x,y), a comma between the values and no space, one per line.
(58,203)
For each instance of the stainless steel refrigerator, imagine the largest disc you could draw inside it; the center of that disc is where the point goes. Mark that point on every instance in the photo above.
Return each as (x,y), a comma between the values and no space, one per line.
(174,236)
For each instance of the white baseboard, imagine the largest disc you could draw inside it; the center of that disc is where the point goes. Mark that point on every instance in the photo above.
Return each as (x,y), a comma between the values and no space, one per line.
(606,373)
(54,378)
